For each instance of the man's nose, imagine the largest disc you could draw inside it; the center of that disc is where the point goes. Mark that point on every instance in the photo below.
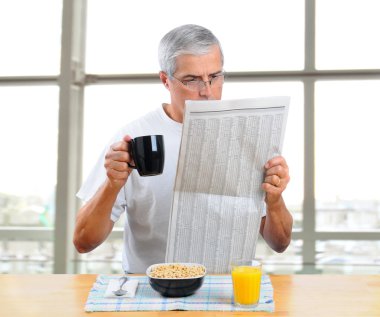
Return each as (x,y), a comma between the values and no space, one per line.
(206,90)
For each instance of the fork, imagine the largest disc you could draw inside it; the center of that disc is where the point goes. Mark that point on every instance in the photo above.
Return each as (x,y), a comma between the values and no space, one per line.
(120,291)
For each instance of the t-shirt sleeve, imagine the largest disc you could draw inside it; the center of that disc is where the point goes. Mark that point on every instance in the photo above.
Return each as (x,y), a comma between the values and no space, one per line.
(95,180)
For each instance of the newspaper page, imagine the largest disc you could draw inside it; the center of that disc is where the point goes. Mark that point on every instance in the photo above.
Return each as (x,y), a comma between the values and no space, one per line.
(218,201)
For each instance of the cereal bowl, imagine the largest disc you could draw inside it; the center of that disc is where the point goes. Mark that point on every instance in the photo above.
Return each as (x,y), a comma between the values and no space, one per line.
(176,279)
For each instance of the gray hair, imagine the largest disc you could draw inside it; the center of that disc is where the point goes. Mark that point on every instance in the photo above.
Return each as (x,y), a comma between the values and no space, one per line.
(186,39)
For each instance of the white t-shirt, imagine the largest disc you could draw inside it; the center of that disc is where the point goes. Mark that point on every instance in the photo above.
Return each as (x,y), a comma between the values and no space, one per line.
(146,200)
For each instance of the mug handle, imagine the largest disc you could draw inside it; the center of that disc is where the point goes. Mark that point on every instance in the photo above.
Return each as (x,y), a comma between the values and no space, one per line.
(131,153)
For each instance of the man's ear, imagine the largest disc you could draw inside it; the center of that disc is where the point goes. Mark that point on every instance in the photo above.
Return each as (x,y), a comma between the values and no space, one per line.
(164,79)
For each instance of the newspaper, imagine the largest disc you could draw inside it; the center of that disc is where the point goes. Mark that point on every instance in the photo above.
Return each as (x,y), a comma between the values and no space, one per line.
(218,201)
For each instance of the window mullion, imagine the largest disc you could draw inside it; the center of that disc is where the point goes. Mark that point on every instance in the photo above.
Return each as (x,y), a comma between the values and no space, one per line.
(309,241)
(71,84)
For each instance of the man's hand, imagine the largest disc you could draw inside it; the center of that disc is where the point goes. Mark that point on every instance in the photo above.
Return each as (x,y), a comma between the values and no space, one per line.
(276,226)
(116,162)
(276,179)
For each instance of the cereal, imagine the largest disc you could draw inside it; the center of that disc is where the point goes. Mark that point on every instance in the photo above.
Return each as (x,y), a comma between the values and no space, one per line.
(177,271)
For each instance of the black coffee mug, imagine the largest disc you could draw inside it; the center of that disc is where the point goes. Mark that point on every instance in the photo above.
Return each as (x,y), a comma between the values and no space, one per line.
(148,153)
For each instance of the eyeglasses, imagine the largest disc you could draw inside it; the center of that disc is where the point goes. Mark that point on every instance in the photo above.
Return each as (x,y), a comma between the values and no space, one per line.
(216,80)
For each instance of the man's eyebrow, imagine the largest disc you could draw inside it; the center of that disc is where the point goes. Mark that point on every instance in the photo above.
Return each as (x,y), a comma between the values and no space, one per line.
(191,75)
(216,73)
(199,76)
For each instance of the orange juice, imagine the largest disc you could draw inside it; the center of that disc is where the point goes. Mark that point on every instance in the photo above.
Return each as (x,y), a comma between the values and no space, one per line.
(246,283)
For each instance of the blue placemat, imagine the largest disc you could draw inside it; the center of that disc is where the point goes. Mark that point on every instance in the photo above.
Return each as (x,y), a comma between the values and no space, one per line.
(216,294)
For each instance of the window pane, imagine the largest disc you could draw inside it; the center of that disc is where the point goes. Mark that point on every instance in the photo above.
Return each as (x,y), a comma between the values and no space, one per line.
(30,33)
(28,137)
(347,34)
(293,143)
(123,36)
(347,151)
(273,260)
(106,258)
(19,257)
(348,257)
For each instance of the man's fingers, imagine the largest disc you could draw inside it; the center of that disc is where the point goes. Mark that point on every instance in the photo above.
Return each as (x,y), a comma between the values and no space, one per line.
(117,166)
(127,138)
(277,160)
(119,146)
(274,180)
(114,174)
(277,170)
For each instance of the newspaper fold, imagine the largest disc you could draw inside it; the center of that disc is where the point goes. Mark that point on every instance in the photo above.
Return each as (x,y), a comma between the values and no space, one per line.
(218,201)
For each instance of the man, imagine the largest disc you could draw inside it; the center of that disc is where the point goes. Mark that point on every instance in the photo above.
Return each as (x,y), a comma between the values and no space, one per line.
(191,62)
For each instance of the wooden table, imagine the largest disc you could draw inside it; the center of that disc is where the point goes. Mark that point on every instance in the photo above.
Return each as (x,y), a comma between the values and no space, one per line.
(295,295)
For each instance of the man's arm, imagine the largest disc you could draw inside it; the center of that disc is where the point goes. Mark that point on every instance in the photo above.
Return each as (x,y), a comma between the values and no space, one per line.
(276,226)
(93,223)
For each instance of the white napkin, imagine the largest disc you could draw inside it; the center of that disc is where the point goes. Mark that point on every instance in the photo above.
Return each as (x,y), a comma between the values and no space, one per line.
(130,286)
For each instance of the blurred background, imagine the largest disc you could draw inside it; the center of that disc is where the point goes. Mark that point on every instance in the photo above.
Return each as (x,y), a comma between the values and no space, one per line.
(73,72)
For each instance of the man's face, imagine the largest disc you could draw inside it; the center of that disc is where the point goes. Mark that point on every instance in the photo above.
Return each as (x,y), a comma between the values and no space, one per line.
(190,68)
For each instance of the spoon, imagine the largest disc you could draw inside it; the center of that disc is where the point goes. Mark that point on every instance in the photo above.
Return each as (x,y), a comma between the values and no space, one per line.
(120,291)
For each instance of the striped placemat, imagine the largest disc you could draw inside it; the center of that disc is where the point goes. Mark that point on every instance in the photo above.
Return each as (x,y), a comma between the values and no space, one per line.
(216,294)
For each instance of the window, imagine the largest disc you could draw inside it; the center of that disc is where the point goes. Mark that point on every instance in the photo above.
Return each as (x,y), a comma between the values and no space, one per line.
(28,135)
(347,190)
(347,33)
(31,38)
(30,50)
(330,143)
(349,257)
(255,35)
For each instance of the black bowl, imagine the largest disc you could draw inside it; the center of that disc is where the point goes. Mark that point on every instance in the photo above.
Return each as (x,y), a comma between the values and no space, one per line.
(175,287)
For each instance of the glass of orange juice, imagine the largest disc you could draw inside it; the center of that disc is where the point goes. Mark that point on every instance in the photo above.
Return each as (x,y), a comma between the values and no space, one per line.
(246,281)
